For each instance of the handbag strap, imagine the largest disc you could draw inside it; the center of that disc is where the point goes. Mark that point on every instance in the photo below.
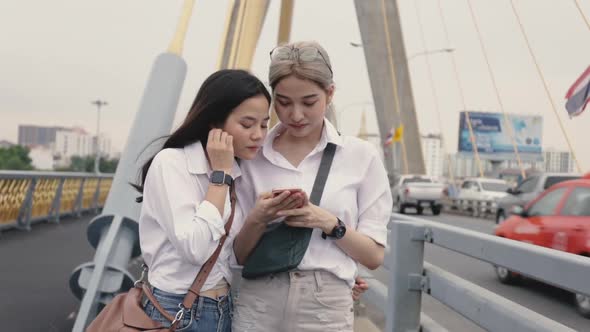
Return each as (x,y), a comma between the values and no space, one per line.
(148,293)
(193,292)
(322,175)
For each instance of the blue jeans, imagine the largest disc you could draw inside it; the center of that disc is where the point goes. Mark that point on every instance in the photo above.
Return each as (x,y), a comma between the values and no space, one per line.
(206,314)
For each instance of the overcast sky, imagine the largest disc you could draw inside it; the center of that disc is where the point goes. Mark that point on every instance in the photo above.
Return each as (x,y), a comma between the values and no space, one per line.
(56,56)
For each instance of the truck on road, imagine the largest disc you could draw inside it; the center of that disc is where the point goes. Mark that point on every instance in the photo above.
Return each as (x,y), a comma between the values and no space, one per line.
(419,192)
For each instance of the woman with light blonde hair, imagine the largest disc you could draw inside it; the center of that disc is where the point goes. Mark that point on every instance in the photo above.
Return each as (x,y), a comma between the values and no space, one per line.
(343,219)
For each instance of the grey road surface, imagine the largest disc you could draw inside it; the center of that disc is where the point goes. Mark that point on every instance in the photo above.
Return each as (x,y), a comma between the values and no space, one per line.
(35,270)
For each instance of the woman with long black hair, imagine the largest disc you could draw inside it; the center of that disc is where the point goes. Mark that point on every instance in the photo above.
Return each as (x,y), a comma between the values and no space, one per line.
(186,199)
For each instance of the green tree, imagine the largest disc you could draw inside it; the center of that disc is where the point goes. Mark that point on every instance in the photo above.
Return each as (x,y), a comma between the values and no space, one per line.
(15,158)
(108,165)
(86,164)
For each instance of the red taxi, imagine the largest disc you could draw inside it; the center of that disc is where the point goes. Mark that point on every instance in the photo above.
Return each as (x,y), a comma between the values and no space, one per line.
(560,219)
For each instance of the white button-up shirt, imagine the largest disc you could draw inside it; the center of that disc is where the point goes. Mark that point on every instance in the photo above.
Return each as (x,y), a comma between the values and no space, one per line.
(178,228)
(357,191)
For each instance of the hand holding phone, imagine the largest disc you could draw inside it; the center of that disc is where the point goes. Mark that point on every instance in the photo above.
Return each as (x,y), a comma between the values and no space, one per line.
(292,191)
(277,192)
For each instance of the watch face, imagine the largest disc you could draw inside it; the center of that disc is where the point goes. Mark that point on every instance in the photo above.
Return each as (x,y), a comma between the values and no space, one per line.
(339,232)
(217,177)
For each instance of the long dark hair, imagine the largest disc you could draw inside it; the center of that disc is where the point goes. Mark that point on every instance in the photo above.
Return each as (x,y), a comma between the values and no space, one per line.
(221,92)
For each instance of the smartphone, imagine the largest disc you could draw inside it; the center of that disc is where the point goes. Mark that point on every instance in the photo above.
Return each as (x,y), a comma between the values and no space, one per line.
(292,191)
(277,192)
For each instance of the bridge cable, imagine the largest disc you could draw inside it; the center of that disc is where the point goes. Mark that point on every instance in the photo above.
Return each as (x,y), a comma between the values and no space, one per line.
(434,93)
(507,120)
(461,93)
(582,14)
(394,84)
(565,135)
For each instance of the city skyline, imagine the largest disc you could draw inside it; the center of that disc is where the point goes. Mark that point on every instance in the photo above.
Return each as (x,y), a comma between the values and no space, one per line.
(51,74)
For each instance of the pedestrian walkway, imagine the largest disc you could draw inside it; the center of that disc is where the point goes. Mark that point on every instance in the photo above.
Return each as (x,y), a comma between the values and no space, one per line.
(35,270)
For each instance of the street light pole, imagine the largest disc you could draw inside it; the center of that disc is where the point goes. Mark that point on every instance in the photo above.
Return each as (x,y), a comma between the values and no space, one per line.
(442,50)
(427,52)
(99,103)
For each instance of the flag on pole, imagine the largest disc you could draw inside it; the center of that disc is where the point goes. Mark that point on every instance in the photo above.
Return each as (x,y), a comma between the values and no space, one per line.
(389,138)
(394,135)
(399,133)
(578,95)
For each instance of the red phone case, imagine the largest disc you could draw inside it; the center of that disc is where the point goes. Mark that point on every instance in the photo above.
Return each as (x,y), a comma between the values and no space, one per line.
(276,192)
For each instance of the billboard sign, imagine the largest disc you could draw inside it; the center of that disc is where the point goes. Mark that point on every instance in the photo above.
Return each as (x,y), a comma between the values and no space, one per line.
(492,136)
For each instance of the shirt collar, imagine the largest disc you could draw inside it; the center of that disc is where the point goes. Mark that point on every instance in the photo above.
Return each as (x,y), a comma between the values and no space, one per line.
(197,161)
(329,134)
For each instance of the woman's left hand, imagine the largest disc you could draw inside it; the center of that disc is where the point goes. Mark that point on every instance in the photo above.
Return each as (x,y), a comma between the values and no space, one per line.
(310,216)
(360,286)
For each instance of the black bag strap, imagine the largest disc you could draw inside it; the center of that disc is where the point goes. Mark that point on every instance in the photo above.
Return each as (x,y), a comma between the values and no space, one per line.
(322,175)
(282,247)
(318,184)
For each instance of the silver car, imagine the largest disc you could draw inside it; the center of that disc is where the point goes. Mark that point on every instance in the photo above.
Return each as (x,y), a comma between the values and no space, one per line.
(527,190)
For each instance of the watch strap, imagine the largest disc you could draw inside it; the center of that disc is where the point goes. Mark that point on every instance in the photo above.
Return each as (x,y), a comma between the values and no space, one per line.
(340,224)
(228,179)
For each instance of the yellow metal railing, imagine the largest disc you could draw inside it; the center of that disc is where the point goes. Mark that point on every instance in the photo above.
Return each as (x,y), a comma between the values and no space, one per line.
(27,197)
(105,186)
(12,196)
(89,193)
(43,197)
(69,195)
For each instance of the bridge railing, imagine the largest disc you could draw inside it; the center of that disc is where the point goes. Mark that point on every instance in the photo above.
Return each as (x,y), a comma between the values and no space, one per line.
(410,277)
(27,197)
(477,208)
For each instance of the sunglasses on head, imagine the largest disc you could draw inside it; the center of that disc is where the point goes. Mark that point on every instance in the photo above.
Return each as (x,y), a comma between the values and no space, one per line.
(305,54)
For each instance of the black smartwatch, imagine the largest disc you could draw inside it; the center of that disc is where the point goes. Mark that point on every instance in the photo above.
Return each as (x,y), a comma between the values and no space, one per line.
(219,178)
(337,232)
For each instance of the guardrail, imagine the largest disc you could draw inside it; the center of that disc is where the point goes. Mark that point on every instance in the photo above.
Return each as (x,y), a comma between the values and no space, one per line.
(410,277)
(27,197)
(477,208)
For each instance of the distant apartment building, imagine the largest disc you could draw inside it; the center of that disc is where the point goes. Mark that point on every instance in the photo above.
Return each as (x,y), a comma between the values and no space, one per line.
(30,136)
(60,144)
(433,155)
(77,142)
(73,143)
(553,161)
(465,165)
(538,166)
(558,161)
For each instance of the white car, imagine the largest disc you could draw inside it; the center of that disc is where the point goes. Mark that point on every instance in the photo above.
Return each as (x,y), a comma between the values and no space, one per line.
(483,189)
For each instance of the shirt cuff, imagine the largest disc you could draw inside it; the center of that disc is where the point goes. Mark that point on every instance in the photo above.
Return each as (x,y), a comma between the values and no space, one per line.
(374,230)
(210,214)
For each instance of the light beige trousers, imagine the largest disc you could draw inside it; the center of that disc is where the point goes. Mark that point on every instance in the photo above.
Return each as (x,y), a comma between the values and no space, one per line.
(292,302)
